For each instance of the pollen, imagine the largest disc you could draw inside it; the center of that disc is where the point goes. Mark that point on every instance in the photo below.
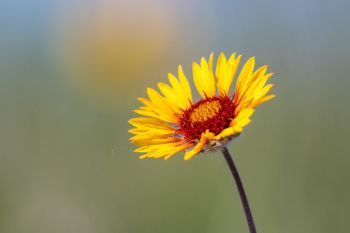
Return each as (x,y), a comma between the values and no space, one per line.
(213,114)
(205,111)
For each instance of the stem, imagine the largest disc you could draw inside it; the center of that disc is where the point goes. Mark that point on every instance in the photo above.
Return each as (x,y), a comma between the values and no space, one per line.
(240,187)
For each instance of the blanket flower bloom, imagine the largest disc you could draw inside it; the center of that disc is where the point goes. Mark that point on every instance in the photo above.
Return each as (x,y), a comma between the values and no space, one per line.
(172,121)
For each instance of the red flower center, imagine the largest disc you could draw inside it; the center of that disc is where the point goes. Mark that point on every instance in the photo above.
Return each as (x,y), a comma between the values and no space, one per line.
(214,114)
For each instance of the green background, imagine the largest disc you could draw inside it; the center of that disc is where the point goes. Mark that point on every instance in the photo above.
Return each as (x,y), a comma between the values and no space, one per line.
(70,74)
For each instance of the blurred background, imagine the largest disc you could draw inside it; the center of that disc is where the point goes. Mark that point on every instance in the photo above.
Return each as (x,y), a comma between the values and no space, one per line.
(70,73)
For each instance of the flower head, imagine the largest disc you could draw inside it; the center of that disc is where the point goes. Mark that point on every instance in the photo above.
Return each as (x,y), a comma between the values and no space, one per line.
(171,121)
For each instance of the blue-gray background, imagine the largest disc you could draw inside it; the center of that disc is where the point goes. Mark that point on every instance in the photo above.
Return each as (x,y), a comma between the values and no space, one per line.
(70,73)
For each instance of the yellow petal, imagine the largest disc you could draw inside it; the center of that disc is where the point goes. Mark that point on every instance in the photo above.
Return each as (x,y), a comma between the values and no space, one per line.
(207,72)
(225,72)
(149,123)
(159,101)
(157,107)
(244,77)
(254,90)
(162,150)
(203,79)
(185,85)
(205,138)
(220,73)
(180,91)
(163,117)
(264,99)
(172,96)
(211,61)
(180,148)
(256,86)
(152,141)
(230,131)
(242,119)
(196,149)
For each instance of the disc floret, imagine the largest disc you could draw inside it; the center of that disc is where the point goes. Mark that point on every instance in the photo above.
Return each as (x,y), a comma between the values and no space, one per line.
(213,114)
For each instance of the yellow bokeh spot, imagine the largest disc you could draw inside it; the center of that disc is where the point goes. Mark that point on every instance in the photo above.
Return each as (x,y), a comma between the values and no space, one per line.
(106,47)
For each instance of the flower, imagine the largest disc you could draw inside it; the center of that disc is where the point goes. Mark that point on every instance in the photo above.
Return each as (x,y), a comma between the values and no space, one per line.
(171,121)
